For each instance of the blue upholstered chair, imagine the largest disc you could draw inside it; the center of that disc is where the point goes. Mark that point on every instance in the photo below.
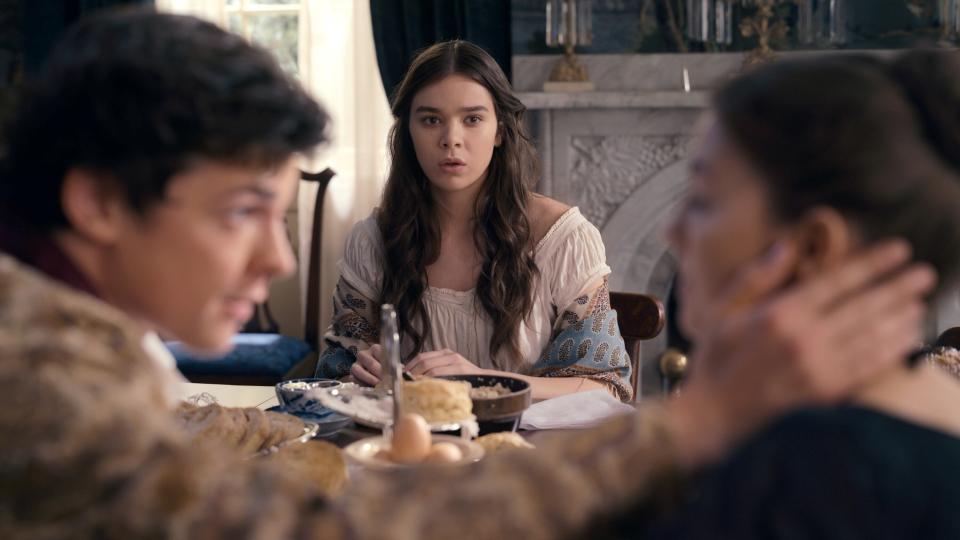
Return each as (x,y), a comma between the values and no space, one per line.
(262,356)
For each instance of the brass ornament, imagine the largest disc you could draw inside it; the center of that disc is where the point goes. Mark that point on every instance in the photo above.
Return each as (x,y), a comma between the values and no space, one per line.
(762,25)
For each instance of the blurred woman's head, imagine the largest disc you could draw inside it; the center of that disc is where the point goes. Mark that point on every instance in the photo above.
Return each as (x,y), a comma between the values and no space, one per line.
(830,154)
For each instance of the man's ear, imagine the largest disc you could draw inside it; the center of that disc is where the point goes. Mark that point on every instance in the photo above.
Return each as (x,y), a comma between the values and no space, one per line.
(93,206)
(824,238)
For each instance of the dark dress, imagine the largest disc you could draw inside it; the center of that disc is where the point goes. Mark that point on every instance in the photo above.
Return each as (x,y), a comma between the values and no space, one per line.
(827,474)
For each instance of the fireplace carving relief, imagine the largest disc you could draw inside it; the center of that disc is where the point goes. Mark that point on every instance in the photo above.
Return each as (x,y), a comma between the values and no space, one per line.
(606,171)
(626,169)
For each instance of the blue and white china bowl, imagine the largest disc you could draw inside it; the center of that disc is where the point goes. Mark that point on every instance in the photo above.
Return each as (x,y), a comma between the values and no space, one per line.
(294,399)
(329,423)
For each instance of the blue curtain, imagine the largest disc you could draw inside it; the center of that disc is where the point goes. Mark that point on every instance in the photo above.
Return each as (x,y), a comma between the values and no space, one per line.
(403,27)
(45,21)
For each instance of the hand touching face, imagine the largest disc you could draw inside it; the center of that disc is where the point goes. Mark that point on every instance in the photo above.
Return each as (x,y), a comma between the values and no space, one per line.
(776,345)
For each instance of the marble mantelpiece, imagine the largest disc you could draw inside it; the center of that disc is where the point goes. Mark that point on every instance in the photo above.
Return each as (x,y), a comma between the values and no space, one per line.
(614,100)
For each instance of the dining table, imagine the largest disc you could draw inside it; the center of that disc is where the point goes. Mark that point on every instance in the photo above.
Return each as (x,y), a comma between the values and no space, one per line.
(263,398)
(596,403)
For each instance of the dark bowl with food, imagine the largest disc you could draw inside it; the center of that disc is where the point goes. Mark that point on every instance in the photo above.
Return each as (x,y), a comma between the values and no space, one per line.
(498,401)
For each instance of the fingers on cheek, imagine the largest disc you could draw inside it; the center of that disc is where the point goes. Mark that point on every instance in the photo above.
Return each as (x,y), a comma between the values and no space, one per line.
(781,320)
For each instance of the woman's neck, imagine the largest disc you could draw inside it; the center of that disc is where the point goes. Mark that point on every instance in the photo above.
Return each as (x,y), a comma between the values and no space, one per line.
(924,395)
(456,209)
(458,264)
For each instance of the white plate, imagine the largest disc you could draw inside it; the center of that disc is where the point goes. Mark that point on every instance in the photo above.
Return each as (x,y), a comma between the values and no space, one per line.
(373,408)
(365,452)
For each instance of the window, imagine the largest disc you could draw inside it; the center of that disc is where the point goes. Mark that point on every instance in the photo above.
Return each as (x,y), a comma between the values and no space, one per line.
(274,24)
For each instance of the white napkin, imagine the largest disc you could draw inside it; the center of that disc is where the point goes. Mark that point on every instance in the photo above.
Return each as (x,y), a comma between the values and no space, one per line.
(580,410)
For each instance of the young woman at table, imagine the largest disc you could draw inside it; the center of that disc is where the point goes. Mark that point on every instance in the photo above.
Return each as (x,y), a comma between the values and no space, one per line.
(819,158)
(486,276)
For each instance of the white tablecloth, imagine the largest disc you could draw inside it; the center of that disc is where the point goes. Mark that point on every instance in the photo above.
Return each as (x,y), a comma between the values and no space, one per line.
(228,395)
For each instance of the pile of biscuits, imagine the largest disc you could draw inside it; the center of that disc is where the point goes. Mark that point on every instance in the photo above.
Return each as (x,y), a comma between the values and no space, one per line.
(249,430)
(319,463)
(252,432)
(494,443)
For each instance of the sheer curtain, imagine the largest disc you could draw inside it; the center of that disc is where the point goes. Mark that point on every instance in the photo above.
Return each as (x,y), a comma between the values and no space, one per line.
(338,64)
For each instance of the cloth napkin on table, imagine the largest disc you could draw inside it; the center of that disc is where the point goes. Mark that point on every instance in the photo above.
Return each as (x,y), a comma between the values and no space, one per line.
(580,410)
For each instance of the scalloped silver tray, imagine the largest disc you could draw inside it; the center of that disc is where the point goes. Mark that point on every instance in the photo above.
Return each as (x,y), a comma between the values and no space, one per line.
(374,408)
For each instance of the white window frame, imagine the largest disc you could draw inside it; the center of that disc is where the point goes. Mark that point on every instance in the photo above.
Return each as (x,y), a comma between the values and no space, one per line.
(246,9)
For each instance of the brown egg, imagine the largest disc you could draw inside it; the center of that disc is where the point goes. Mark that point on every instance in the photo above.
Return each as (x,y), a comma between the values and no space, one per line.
(383,454)
(411,439)
(444,452)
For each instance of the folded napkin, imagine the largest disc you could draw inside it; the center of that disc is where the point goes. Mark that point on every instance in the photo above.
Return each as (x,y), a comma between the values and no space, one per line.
(580,410)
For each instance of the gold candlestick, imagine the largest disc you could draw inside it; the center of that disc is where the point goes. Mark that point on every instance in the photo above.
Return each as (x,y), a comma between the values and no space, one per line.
(572,28)
(568,68)
(762,26)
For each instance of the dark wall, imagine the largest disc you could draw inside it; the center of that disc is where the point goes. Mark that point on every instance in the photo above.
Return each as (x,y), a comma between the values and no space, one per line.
(403,27)
(11,42)
(44,21)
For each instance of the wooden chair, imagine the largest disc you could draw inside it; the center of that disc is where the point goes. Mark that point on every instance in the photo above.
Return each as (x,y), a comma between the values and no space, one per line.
(262,356)
(641,317)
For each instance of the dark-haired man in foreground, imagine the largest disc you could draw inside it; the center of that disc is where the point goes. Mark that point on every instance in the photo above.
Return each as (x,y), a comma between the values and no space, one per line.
(144,190)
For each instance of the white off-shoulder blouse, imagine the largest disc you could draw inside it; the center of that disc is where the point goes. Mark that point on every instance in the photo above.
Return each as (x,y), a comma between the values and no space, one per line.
(570,257)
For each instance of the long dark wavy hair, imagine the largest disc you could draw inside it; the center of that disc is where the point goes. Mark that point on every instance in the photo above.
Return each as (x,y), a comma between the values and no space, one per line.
(408,220)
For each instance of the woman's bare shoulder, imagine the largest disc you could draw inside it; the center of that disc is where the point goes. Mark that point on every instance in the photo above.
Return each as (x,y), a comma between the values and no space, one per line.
(543,213)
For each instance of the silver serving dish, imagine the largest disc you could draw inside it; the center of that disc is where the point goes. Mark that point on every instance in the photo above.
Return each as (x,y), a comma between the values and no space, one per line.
(373,408)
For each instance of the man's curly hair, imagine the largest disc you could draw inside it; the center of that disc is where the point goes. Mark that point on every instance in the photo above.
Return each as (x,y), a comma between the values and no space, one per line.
(141,96)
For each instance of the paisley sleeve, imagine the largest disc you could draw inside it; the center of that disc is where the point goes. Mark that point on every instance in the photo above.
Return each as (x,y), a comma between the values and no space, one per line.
(353,329)
(586,342)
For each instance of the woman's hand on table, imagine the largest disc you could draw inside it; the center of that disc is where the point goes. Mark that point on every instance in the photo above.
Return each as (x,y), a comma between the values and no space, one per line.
(442,362)
(781,346)
(367,369)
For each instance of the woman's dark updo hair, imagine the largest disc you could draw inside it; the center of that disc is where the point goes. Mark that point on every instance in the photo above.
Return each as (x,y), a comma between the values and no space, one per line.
(878,140)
